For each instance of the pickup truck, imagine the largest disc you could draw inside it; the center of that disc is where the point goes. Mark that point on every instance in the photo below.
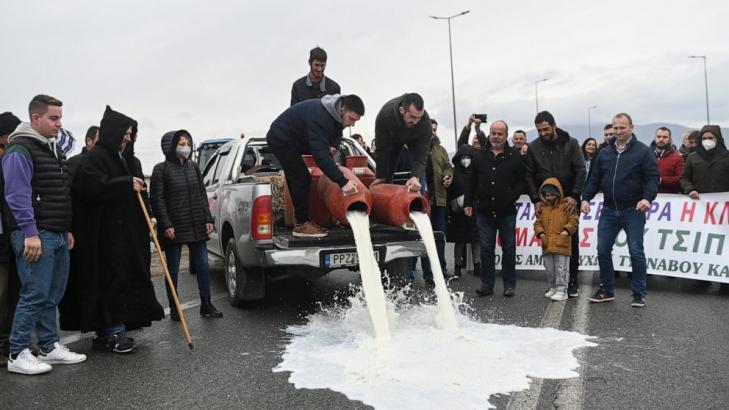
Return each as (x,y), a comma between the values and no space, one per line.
(257,247)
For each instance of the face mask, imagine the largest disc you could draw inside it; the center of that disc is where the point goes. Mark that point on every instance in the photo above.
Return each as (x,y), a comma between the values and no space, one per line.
(466,162)
(183,152)
(708,144)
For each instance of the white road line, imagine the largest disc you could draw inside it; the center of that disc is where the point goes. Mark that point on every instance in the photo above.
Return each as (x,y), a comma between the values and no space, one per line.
(571,392)
(187,305)
(529,398)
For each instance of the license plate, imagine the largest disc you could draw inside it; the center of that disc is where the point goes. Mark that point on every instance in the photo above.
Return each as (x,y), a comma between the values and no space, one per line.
(344,259)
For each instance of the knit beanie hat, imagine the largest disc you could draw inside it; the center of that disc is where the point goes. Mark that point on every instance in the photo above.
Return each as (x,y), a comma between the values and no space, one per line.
(8,123)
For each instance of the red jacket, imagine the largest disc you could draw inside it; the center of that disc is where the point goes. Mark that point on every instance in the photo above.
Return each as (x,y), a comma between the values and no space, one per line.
(670,168)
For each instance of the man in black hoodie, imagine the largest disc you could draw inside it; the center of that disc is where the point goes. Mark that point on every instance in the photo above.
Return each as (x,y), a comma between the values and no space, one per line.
(556,154)
(312,127)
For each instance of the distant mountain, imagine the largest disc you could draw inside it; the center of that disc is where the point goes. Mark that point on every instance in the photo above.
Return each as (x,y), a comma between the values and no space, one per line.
(644,132)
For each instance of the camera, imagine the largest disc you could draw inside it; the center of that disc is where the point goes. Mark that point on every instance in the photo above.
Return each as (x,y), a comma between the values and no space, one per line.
(481,117)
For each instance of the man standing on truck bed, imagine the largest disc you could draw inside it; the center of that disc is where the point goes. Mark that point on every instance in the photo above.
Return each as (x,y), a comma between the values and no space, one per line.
(312,127)
(402,121)
(314,84)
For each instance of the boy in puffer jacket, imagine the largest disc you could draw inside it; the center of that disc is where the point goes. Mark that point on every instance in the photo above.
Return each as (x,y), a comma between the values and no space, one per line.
(555,229)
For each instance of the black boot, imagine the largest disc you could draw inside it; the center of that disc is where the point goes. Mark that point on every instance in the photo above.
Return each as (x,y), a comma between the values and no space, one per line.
(457,272)
(476,269)
(173,314)
(207,309)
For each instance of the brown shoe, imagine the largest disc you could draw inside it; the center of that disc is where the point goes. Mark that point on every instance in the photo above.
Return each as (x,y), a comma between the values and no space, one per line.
(309,230)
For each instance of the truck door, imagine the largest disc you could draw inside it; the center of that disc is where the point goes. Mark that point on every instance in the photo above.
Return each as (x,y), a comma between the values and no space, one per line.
(211,188)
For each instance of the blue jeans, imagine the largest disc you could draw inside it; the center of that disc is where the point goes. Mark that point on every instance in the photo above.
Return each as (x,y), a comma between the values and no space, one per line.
(43,284)
(438,221)
(199,259)
(611,222)
(488,226)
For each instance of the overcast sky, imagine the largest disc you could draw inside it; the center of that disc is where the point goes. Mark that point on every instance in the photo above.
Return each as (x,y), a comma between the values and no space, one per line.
(219,68)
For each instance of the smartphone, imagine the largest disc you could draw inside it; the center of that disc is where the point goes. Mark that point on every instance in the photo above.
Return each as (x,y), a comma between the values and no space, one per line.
(481,117)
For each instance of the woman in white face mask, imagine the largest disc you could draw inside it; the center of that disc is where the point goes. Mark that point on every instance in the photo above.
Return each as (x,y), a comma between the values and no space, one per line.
(707,169)
(180,204)
(461,229)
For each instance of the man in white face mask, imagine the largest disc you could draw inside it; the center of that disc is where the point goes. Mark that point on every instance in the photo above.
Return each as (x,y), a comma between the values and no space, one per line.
(707,168)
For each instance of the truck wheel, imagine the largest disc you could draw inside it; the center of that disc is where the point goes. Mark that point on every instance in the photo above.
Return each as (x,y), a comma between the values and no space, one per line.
(398,270)
(243,284)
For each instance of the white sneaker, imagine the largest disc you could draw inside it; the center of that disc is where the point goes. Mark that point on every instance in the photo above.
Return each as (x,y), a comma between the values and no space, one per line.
(559,296)
(26,363)
(60,355)
(549,293)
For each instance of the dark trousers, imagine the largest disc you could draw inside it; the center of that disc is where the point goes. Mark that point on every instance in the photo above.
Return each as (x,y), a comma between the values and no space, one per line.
(298,179)
(488,227)
(575,259)
(199,259)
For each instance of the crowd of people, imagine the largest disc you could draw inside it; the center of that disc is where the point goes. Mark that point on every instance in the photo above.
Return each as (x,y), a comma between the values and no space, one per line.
(75,238)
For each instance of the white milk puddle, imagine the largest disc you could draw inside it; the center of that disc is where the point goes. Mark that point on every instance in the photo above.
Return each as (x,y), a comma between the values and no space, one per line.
(445,306)
(370,272)
(422,366)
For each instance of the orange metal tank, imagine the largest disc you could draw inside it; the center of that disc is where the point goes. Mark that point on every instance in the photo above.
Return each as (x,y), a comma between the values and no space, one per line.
(318,211)
(358,165)
(337,203)
(392,204)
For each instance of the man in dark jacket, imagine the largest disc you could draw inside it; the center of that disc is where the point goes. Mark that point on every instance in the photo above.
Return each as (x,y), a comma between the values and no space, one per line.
(402,121)
(314,85)
(92,136)
(496,181)
(670,163)
(110,290)
(557,155)
(707,169)
(460,228)
(312,127)
(627,174)
(34,167)
(689,143)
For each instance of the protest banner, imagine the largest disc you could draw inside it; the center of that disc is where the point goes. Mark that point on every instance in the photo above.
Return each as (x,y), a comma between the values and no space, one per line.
(684,238)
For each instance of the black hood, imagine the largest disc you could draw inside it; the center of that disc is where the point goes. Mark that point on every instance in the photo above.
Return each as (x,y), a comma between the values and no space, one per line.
(720,146)
(463,150)
(113,127)
(169,143)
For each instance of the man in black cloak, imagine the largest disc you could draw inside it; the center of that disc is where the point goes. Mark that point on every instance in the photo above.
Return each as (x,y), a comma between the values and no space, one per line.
(109,289)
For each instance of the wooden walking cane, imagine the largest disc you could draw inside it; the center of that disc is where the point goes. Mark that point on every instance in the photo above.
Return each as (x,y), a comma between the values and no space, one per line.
(167,272)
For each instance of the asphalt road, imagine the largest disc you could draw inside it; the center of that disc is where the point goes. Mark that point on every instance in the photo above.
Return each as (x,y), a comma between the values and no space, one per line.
(671,354)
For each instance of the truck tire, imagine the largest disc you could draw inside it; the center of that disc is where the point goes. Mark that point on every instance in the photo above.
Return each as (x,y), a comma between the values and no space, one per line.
(244,285)
(398,270)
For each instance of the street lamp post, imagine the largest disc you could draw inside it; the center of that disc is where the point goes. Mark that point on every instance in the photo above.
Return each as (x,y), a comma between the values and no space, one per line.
(706,87)
(536,91)
(453,87)
(589,121)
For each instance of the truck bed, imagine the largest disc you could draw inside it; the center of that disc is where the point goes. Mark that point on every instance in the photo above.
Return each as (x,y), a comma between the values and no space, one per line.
(342,236)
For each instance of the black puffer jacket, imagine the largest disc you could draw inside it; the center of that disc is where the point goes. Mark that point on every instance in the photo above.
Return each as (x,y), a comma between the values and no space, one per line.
(560,158)
(496,181)
(707,171)
(178,195)
(460,228)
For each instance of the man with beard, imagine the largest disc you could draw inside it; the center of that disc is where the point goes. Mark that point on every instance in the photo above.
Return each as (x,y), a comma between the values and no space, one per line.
(402,121)
(556,154)
(496,182)
(314,85)
(670,163)
(110,290)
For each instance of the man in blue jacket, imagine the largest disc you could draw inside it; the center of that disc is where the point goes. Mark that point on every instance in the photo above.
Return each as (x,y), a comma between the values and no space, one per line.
(312,127)
(627,174)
